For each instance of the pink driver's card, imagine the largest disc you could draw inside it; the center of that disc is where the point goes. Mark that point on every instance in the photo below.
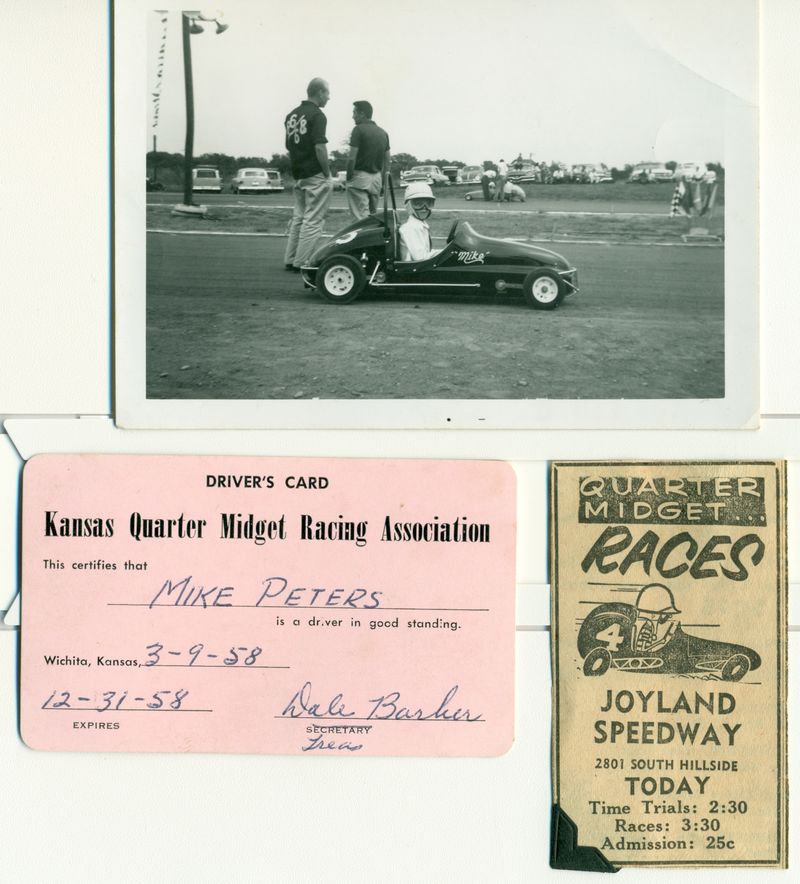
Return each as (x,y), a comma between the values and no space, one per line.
(221,604)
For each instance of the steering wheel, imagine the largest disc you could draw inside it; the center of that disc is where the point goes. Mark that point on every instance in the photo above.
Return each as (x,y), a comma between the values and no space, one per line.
(452,233)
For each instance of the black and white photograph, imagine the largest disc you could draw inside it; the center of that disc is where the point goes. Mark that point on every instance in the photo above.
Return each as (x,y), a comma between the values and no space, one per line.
(530,215)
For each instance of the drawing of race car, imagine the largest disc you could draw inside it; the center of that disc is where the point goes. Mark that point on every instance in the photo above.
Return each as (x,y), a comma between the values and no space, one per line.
(606,639)
(366,257)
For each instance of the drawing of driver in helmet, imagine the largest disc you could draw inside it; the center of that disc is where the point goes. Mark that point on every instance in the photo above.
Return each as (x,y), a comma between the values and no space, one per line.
(654,626)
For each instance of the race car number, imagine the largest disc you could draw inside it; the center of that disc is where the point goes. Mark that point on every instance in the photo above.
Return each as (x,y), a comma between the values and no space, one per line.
(611,637)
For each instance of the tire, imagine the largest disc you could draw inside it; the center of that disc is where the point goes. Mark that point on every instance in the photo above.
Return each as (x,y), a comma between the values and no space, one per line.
(543,289)
(597,662)
(468,196)
(340,279)
(735,668)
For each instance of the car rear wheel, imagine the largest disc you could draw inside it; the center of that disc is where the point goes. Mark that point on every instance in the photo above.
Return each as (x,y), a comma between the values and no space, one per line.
(735,668)
(543,289)
(341,279)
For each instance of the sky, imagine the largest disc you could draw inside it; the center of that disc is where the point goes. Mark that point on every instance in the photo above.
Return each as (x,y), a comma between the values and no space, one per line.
(579,81)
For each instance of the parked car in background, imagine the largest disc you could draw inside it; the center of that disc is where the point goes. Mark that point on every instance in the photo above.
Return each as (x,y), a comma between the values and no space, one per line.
(257,180)
(471,174)
(694,172)
(522,171)
(206,178)
(452,173)
(428,174)
(591,173)
(647,173)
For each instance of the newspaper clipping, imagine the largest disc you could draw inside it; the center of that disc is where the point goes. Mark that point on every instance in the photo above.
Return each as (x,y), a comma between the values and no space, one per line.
(669,626)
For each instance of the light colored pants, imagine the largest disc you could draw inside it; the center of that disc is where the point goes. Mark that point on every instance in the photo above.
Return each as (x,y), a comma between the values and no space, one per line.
(500,183)
(311,198)
(363,192)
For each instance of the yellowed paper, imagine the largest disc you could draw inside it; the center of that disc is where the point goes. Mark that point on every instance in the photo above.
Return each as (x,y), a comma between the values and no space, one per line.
(669,632)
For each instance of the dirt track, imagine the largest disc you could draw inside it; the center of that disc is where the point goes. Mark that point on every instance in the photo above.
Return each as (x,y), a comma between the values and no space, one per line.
(225,321)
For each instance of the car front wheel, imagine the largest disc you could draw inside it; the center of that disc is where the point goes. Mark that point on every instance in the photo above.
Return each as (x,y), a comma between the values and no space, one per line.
(341,279)
(543,289)
(597,662)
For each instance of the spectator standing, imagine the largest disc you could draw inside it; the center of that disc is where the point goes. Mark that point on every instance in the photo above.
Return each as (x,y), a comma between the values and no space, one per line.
(487,180)
(306,142)
(368,162)
(710,192)
(500,183)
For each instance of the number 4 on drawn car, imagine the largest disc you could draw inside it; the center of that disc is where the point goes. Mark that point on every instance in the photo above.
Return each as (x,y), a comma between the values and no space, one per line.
(607,637)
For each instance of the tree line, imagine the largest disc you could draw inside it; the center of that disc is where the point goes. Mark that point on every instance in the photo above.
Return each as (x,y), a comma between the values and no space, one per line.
(167,168)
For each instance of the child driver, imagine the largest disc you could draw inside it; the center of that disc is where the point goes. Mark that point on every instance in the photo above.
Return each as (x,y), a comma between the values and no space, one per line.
(415,235)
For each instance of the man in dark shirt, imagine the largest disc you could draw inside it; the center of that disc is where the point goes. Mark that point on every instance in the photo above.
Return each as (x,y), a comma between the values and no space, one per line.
(368,162)
(306,142)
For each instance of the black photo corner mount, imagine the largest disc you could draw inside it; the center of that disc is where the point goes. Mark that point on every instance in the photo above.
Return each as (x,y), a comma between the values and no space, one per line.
(566,853)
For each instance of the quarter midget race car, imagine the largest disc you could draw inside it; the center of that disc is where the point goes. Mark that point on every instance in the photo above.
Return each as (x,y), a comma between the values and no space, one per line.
(606,639)
(366,256)
(511,192)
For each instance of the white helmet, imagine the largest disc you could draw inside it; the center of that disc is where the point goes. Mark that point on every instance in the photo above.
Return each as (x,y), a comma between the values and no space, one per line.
(655,598)
(419,190)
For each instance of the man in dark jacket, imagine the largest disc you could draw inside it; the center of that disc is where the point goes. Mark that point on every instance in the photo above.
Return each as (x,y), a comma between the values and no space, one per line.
(306,142)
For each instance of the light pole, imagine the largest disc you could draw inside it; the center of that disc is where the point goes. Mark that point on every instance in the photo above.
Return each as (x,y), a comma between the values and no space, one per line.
(189,21)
